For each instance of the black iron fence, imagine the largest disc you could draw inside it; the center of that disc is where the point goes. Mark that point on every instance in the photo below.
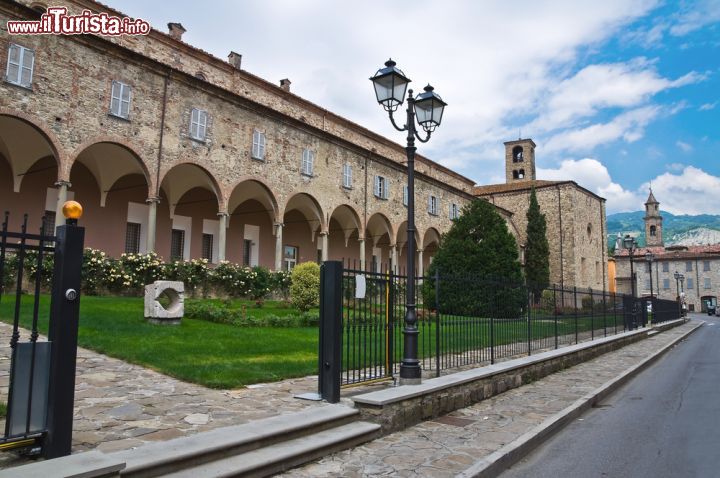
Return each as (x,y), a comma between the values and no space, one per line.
(464,321)
(41,377)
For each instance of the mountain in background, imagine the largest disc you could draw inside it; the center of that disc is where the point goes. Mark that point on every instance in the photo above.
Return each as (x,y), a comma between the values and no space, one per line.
(677,230)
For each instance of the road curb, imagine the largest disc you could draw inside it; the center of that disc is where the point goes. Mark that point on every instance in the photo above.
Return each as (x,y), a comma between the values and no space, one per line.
(497,462)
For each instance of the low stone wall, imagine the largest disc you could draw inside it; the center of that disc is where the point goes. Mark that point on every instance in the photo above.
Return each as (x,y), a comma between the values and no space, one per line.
(398,408)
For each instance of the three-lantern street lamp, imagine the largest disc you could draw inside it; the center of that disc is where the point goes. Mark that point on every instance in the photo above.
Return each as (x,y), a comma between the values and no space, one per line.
(679,278)
(427,109)
(649,258)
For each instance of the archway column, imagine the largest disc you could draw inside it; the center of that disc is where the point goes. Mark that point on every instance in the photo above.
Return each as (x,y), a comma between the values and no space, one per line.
(394,258)
(421,269)
(222,235)
(278,245)
(152,222)
(362,253)
(324,245)
(62,187)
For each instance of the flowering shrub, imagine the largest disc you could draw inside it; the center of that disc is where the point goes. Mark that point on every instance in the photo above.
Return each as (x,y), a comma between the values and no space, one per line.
(305,287)
(46,267)
(95,271)
(194,273)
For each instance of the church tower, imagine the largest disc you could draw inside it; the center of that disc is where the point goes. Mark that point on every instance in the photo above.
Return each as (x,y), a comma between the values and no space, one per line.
(653,222)
(519,161)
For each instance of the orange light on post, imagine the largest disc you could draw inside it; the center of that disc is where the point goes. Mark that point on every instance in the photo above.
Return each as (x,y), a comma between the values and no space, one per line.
(72,210)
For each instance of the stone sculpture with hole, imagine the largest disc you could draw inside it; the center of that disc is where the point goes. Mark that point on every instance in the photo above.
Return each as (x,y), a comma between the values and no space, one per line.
(154,310)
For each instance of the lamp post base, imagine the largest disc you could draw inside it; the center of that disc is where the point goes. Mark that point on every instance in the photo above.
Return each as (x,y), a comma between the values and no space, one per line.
(410,374)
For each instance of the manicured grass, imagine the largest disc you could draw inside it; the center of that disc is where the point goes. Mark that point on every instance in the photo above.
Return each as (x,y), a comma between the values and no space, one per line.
(214,355)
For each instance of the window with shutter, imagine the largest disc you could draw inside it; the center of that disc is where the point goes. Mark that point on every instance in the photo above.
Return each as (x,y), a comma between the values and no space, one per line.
(405,195)
(432,205)
(308,160)
(120,100)
(258,146)
(198,124)
(347,176)
(381,187)
(21,62)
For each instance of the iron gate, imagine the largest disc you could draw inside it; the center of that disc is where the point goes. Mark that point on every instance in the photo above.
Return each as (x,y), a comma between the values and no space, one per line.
(41,377)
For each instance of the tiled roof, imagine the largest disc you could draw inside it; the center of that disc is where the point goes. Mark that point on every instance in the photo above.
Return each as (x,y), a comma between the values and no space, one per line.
(511,187)
(672,252)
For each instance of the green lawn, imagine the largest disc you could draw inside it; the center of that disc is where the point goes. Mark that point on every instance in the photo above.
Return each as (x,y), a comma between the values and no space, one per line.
(215,355)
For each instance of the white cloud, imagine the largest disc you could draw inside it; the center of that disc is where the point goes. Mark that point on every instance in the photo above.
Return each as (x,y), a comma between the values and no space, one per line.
(684,146)
(593,175)
(708,106)
(628,126)
(691,192)
(696,16)
(675,166)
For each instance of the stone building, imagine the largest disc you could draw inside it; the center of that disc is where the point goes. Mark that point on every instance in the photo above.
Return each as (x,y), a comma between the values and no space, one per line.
(575,218)
(172,150)
(655,274)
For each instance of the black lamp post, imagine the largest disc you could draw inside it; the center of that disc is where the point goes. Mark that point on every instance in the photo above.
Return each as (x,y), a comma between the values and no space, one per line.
(630,244)
(678,277)
(649,258)
(427,109)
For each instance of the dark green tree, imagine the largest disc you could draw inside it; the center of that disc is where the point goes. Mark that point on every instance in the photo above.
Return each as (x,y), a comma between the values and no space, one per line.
(537,250)
(478,266)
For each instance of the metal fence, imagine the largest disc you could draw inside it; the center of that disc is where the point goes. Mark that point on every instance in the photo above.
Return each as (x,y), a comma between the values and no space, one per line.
(464,321)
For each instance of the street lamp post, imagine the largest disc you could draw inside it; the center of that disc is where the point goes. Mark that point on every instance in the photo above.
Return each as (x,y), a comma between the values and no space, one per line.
(649,258)
(427,109)
(630,244)
(678,277)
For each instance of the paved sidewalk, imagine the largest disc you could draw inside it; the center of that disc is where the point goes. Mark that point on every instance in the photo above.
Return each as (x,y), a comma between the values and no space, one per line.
(450,444)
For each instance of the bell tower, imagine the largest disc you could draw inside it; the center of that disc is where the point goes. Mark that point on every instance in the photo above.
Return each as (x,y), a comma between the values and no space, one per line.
(519,161)
(653,222)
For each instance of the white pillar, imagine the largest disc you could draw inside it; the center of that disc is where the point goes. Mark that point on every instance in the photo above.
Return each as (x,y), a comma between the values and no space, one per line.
(324,245)
(222,233)
(362,254)
(62,197)
(394,258)
(152,223)
(420,268)
(278,246)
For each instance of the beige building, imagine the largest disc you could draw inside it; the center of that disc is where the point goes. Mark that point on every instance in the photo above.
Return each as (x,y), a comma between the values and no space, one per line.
(699,266)
(172,150)
(575,218)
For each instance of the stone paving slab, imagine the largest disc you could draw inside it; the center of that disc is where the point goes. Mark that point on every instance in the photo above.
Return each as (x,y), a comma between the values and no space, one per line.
(450,444)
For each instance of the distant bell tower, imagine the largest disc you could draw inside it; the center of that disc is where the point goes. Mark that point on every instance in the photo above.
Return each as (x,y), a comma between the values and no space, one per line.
(519,161)
(653,222)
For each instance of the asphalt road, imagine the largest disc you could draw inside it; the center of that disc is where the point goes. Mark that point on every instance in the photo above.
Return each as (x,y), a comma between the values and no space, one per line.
(664,423)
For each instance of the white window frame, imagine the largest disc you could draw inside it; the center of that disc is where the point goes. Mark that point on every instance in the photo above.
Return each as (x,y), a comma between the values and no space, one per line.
(23,54)
(689,284)
(347,176)
(198,124)
(308,162)
(405,195)
(454,211)
(707,283)
(381,187)
(116,93)
(258,145)
(433,205)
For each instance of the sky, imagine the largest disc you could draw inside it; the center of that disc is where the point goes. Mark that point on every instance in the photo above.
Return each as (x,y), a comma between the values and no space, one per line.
(618,95)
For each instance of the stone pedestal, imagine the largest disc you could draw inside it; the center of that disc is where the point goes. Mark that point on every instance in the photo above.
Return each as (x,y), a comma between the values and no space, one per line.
(155,312)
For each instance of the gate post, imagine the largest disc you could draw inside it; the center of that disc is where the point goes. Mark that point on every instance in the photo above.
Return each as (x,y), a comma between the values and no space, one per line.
(62,333)
(329,366)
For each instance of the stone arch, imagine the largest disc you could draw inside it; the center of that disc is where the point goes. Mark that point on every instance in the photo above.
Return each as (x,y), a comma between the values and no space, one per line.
(431,236)
(379,223)
(20,146)
(517,154)
(347,217)
(380,236)
(175,184)
(309,207)
(94,154)
(258,188)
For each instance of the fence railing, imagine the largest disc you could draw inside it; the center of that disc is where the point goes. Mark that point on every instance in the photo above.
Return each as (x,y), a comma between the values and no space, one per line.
(466,320)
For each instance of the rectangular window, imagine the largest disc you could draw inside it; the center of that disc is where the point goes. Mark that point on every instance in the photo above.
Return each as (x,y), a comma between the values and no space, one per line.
(207,247)
(381,187)
(666,284)
(666,266)
(433,205)
(247,251)
(454,211)
(706,266)
(177,245)
(49,229)
(347,176)
(290,256)
(308,161)
(648,267)
(690,284)
(21,62)
(120,100)
(707,284)
(132,238)
(198,124)
(647,284)
(258,145)
(688,266)
(405,195)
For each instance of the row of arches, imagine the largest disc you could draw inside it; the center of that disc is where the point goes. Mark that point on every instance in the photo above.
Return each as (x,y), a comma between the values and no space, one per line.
(183,213)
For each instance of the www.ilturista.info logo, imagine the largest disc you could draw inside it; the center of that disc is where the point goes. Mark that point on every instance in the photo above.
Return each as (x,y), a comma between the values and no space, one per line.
(56,21)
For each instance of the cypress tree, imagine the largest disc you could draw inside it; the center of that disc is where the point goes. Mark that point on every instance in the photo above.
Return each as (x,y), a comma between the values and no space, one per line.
(537,250)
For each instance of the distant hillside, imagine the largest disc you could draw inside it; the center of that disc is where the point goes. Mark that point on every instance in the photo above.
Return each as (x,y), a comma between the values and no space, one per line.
(683,229)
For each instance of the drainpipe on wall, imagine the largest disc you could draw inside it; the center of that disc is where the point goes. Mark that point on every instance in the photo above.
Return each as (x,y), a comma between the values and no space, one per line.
(562,262)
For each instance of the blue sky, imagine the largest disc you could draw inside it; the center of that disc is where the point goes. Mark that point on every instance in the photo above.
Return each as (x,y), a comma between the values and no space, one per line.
(616,94)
